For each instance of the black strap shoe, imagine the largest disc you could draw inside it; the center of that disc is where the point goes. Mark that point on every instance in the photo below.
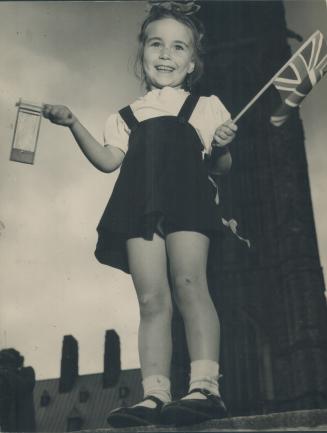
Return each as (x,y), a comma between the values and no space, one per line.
(136,416)
(193,411)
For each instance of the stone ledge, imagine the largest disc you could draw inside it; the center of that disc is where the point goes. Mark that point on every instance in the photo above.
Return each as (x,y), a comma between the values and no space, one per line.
(304,420)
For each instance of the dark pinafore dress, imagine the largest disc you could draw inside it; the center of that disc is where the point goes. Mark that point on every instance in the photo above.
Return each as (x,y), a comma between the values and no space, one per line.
(162,178)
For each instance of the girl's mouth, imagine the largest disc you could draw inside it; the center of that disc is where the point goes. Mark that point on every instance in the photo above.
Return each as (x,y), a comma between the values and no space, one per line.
(164,68)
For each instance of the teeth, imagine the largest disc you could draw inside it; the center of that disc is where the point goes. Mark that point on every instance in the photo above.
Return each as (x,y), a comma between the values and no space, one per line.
(165,68)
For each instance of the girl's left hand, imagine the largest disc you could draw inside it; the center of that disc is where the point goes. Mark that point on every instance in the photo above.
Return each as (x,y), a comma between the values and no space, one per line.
(224,134)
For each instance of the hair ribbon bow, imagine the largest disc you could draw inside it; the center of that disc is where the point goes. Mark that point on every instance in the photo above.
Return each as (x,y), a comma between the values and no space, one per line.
(183,7)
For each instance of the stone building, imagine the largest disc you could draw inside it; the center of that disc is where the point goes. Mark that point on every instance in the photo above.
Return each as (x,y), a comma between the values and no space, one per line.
(74,402)
(271,297)
(86,405)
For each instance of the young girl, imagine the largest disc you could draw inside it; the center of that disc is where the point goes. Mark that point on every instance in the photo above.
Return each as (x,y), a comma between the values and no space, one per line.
(162,213)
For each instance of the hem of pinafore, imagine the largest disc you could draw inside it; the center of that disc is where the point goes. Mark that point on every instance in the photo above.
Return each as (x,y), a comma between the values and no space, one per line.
(111,245)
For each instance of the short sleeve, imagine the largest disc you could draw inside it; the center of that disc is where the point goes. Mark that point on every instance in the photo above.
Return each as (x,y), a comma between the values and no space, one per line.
(208,115)
(116,132)
(218,110)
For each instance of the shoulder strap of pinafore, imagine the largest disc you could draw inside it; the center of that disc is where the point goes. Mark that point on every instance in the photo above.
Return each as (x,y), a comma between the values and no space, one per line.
(187,108)
(128,116)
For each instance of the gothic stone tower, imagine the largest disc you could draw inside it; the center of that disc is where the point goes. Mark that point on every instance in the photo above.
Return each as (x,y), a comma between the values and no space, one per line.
(270,298)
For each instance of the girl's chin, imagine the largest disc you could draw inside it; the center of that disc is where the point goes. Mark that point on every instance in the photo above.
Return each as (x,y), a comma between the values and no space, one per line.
(161,85)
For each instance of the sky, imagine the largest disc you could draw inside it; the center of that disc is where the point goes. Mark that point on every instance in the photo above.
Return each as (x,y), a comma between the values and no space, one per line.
(81,54)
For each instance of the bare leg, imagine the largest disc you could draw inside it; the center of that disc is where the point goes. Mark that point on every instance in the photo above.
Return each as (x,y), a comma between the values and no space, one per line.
(148,266)
(188,252)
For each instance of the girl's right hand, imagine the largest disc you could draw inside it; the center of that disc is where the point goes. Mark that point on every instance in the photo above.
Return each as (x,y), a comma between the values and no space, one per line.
(59,114)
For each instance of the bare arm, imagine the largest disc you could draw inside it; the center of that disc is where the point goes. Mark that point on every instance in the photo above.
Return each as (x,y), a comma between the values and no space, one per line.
(221,160)
(220,164)
(105,159)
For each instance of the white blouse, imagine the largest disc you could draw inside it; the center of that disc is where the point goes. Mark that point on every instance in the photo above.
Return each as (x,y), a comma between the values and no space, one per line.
(208,114)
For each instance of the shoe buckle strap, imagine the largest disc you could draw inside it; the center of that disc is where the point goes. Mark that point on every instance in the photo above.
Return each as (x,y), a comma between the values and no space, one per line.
(153,398)
(204,392)
(201,391)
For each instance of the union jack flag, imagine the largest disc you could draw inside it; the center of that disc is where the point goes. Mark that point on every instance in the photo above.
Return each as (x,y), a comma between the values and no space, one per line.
(299,75)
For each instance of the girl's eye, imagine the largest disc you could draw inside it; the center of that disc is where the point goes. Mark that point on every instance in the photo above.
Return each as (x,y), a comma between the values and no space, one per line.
(155,44)
(179,47)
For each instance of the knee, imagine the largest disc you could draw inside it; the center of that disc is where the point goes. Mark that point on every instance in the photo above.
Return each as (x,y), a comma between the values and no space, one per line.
(155,304)
(189,289)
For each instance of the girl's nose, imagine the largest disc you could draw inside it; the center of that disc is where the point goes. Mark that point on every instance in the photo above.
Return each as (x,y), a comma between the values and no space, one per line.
(165,53)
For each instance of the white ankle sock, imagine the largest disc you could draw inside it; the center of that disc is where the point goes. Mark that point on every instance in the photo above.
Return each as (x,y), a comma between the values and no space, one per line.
(158,386)
(204,374)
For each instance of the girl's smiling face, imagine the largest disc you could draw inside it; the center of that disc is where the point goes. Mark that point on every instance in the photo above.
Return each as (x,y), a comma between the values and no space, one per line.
(168,53)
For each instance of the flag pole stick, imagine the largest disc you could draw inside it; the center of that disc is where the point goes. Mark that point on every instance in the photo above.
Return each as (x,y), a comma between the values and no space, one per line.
(257,96)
